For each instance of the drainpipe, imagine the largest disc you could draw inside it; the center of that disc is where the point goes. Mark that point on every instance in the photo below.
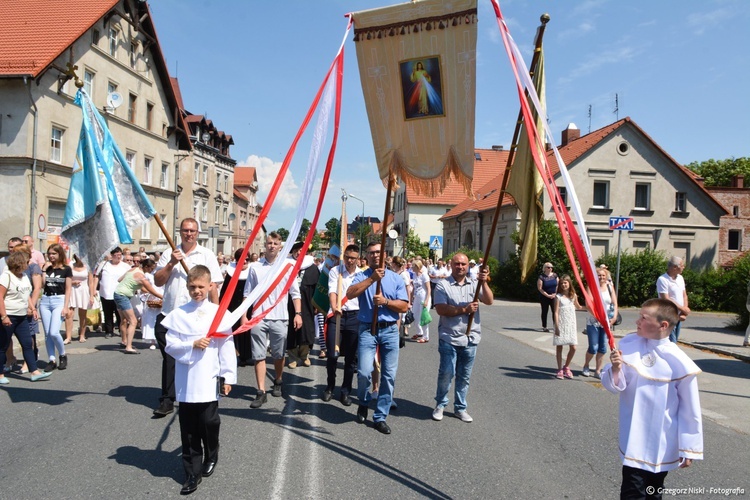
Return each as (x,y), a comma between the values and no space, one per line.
(480,216)
(27,83)
(459,233)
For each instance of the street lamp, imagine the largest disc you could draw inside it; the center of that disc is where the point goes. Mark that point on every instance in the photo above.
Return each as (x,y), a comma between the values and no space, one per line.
(361,232)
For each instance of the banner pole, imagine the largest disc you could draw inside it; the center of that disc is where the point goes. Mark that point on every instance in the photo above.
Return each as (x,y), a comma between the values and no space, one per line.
(169,240)
(342,266)
(381,264)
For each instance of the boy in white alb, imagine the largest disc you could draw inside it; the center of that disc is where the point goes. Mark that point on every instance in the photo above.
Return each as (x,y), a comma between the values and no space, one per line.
(205,369)
(655,380)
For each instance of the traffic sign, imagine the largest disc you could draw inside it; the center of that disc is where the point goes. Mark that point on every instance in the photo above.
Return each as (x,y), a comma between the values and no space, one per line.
(436,242)
(621,223)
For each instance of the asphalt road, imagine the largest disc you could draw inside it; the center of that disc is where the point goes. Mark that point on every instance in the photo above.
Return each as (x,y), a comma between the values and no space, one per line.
(88,432)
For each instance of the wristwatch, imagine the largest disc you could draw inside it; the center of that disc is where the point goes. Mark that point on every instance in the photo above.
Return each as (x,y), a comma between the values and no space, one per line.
(298,314)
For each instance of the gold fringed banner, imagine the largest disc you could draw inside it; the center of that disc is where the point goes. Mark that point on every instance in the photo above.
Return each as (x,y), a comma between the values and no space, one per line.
(417,65)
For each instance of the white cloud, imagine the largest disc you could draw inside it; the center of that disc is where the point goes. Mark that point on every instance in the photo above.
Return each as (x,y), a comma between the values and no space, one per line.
(702,21)
(267,171)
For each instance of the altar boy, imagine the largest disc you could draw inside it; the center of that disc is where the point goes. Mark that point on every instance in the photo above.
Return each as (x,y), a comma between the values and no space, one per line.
(205,369)
(660,413)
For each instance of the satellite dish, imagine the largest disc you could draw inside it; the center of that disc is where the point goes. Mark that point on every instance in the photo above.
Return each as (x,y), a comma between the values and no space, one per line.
(114,100)
(393,234)
(412,223)
(206,137)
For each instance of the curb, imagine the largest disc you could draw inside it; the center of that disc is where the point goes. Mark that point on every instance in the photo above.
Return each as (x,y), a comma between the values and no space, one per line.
(717,350)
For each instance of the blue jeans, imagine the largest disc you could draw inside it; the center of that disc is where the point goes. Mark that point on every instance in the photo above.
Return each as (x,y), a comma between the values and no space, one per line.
(597,339)
(51,309)
(387,340)
(20,326)
(675,333)
(458,361)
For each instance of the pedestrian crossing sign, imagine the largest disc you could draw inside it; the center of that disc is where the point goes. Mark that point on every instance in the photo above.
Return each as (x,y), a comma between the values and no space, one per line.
(436,242)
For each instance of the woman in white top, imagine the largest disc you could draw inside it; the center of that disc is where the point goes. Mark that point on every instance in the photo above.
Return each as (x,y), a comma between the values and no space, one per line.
(595,331)
(81,297)
(420,300)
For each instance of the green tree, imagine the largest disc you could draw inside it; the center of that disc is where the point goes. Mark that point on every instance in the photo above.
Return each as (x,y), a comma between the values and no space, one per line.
(413,246)
(720,172)
(304,229)
(333,231)
(283,232)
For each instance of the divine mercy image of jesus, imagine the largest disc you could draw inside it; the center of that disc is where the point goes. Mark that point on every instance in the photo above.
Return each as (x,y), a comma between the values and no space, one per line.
(421,87)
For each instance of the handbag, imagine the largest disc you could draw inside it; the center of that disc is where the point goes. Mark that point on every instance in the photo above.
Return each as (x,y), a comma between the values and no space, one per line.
(409,317)
(426,318)
(611,312)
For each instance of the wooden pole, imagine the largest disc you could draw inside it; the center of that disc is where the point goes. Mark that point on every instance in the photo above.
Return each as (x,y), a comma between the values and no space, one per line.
(509,165)
(169,240)
(381,264)
(342,266)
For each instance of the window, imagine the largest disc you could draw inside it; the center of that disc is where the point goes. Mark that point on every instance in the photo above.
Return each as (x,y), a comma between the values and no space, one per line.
(601,194)
(131,107)
(113,36)
(734,242)
(149,115)
(111,87)
(164,179)
(56,213)
(133,53)
(563,195)
(642,196)
(736,211)
(161,235)
(164,129)
(225,216)
(130,158)
(146,230)
(218,183)
(216,214)
(196,207)
(641,245)
(680,202)
(226,183)
(197,173)
(204,211)
(147,172)
(205,175)
(95,37)
(88,83)
(56,143)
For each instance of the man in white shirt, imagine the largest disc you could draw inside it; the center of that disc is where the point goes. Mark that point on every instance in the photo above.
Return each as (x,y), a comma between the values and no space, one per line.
(107,277)
(671,286)
(437,274)
(170,274)
(272,331)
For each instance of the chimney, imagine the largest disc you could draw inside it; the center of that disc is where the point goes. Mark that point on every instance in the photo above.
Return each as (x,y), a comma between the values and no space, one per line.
(497,148)
(570,134)
(738,181)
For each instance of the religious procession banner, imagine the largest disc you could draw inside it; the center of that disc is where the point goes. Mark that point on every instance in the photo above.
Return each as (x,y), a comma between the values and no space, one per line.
(417,65)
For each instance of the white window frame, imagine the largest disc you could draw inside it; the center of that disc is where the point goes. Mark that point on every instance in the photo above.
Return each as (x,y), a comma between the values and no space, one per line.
(196,207)
(204,211)
(56,144)
(146,230)
(55,213)
(133,55)
(164,178)
(114,41)
(205,175)
(644,205)
(606,194)
(226,183)
(218,181)
(217,214)
(148,170)
(88,82)
(196,173)
(130,159)
(225,216)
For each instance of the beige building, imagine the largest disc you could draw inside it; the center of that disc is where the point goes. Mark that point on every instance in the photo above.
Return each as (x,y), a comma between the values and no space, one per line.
(246,209)
(111,47)
(617,171)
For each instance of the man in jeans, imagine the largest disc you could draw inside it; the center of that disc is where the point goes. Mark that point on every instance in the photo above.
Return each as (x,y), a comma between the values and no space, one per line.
(390,302)
(454,302)
(170,274)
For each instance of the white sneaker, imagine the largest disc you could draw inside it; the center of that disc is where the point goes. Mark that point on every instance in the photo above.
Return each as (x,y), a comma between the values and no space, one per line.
(152,347)
(586,372)
(437,413)
(464,416)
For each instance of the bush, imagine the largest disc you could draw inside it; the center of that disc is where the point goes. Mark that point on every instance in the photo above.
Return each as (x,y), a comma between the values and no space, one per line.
(476,255)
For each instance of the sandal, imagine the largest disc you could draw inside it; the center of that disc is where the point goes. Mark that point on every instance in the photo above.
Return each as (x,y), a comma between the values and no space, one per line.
(66,342)
(422,341)
(131,352)
(82,340)
(417,336)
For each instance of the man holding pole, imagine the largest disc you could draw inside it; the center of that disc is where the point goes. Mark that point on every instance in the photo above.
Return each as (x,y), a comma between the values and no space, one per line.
(454,302)
(378,333)
(342,330)
(172,276)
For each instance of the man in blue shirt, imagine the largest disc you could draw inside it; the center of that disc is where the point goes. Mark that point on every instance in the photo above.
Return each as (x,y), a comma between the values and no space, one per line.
(390,302)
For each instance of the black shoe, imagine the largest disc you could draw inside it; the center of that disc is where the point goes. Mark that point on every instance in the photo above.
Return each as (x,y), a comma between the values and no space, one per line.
(260,400)
(165,408)
(209,467)
(50,367)
(109,336)
(276,389)
(190,485)
(63,363)
(327,395)
(361,414)
(345,399)
(382,427)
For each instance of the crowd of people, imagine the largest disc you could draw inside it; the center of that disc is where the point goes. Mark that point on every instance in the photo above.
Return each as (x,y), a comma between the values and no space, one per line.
(373,303)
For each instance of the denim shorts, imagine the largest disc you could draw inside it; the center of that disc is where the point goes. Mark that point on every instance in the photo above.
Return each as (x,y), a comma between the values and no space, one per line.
(122,302)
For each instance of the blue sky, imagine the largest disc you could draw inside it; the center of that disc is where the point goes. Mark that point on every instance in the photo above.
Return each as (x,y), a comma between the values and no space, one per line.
(680,69)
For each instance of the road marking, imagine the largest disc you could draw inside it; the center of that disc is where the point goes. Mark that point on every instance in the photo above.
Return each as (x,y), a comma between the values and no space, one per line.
(713,415)
(543,338)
